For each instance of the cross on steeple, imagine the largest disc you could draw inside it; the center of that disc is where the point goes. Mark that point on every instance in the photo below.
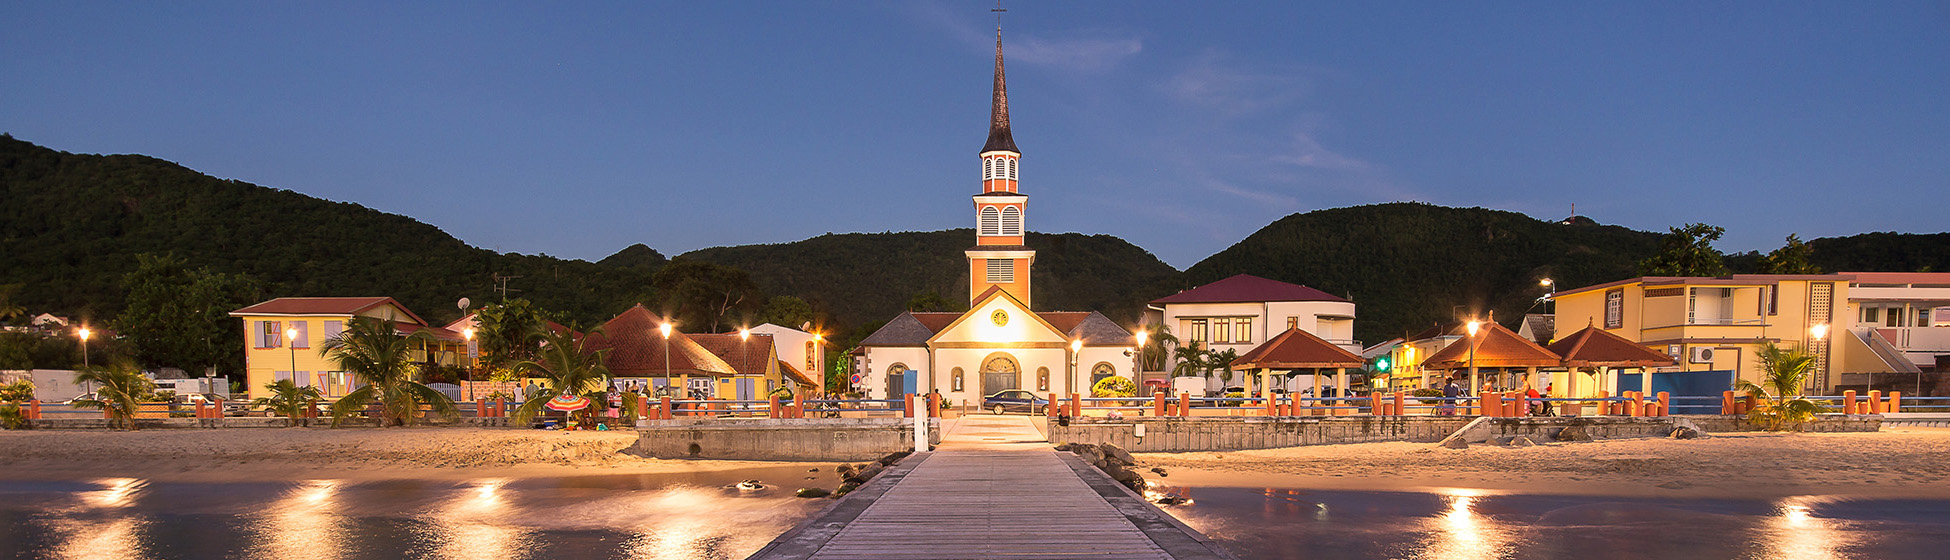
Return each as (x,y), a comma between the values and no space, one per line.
(998,18)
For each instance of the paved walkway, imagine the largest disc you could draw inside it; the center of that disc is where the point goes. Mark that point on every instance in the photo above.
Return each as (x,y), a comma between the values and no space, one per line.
(995,489)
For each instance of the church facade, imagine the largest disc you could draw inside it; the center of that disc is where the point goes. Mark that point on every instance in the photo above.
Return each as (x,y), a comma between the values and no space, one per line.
(1001,343)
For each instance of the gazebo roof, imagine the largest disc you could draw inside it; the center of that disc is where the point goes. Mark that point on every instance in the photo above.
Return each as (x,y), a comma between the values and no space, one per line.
(1595,347)
(1496,347)
(1297,349)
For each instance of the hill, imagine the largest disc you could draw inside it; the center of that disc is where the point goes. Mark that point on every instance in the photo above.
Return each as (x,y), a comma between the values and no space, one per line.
(1407,265)
(861,278)
(73,224)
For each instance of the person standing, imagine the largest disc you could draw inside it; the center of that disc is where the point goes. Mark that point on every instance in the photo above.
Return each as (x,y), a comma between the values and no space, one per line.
(1450,393)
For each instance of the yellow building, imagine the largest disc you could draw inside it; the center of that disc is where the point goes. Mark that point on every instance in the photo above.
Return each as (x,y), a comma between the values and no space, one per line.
(282,340)
(1717,324)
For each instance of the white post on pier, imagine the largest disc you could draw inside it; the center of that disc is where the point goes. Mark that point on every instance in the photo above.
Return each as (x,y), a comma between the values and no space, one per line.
(920,431)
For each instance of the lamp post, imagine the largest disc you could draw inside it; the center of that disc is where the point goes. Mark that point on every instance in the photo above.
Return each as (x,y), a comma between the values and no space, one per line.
(468,335)
(666,328)
(1137,358)
(819,359)
(1820,331)
(84,333)
(1550,293)
(1070,382)
(291,343)
(1473,327)
(744,356)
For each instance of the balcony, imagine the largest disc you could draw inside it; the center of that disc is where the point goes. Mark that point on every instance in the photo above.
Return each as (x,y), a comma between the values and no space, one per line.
(1918,345)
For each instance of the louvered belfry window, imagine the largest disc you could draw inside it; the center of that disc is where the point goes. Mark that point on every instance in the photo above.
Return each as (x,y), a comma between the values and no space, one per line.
(1001,271)
(1011,221)
(991,222)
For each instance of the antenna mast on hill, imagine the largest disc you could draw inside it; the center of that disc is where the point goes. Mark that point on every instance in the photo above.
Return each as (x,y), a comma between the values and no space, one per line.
(501,285)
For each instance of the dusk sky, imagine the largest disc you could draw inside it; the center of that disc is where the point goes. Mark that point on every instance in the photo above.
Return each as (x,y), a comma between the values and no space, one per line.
(575,129)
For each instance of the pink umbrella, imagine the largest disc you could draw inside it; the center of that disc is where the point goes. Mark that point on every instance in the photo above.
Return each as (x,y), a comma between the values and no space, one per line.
(567,403)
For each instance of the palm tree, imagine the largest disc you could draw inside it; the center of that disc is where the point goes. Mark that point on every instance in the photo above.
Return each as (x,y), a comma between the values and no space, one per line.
(288,399)
(1222,361)
(119,390)
(1189,360)
(565,368)
(1783,372)
(1157,348)
(374,351)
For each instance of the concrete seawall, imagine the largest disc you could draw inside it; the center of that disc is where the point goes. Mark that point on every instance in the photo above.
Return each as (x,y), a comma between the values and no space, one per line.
(1167,435)
(759,439)
(241,422)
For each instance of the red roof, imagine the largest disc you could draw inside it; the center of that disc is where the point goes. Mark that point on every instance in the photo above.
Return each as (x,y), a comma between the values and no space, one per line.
(323,306)
(1247,288)
(1496,347)
(436,332)
(748,357)
(636,348)
(796,376)
(1594,347)
(1295,349)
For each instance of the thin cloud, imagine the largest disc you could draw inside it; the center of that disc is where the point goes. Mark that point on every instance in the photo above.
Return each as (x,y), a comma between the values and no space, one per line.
(1308,152)
(1212,80)
(1084,51)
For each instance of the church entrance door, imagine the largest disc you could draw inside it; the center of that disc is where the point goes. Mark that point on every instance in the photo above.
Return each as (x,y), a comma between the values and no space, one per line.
(999,373)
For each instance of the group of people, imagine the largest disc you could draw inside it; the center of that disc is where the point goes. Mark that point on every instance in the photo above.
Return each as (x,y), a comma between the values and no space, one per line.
(1453,391)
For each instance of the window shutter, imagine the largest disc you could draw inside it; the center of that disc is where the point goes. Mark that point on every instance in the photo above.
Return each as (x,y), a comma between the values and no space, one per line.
(1011,221)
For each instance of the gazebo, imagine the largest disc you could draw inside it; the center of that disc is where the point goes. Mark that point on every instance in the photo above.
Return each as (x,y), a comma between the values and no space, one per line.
(1598,352)
(1296,349)
(1494,347)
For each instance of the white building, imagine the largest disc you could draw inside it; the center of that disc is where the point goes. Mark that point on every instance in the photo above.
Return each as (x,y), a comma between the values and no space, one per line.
(1899,324)
(1244,311)
(801,350)
(1000,343)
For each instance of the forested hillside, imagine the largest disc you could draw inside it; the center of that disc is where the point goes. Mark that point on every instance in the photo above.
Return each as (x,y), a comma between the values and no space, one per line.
(1406,265)
(72,225)
(865,277)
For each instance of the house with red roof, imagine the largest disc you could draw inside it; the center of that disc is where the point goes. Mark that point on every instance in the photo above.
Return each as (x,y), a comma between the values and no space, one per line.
(282,340)
(1242,312)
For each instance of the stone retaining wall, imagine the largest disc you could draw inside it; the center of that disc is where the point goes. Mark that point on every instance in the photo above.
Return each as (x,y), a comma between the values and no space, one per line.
(236,422)
(1168,435)
(761,439)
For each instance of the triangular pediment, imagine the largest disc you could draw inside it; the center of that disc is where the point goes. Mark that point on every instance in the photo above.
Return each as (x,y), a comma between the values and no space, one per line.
(1017,325)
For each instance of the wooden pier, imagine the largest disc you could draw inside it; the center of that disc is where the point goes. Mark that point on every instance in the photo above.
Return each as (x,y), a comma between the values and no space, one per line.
(991,492)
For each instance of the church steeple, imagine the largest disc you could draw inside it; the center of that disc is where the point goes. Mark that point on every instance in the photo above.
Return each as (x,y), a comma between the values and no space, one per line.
(999,138)
(1000,259)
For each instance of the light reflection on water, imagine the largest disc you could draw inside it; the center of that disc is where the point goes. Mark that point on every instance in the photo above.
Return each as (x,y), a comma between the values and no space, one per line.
(653,516)
(1473,524)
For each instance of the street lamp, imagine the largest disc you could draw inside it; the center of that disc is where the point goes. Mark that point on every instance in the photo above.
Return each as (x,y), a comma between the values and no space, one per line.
(666,328)
(291,343)
(1550,293)
(1820,331)
(1070,381)
(468,334)
(744,354)
(84,333)
(1473,327)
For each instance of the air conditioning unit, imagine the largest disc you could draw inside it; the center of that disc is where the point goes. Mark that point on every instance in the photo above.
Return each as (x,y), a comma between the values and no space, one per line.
(1699,355)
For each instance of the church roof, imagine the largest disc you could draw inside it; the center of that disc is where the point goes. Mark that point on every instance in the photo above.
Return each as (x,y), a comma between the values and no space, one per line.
(1296,348)
(636,348)
(999,138)
(1496,347)
(915,328)
(1247,288)
(1594,347)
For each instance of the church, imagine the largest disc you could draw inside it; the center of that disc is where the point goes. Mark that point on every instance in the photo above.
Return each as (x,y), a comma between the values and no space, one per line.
(1000,343)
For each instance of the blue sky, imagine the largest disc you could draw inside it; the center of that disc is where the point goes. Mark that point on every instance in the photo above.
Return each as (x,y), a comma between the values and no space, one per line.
(576,129)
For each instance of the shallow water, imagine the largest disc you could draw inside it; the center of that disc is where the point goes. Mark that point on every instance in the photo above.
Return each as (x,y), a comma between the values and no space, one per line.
(680,516)
(1473,524)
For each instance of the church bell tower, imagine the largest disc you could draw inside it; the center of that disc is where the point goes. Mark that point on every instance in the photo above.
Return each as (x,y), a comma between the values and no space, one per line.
(999,258)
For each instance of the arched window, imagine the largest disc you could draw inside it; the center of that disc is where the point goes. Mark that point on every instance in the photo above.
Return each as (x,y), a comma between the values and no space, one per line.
(1012,169)
(991,222)
(1101,371)
(1011,221)
(988,168)
(955,382)
(1042,379)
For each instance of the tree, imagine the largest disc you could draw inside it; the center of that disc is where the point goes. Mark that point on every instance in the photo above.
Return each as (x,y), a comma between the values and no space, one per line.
(119,390)
(1157,345)
(1783,372)
(179,317)
(566,368)
(11,395)
(375,352)
(1221,361)
(1189,360)
(1687,251)
(288,399)
(506,333)
(1791,258)
(786,311)
(8,308)
(931,301)
(706,296)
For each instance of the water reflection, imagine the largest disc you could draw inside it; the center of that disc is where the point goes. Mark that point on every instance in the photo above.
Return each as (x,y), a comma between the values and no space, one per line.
(303,523)
(95,528)
(1795,533)
(478,523)
(1458,533)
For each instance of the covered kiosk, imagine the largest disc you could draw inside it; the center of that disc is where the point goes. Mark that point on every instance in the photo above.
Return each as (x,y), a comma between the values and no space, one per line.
(1514,359)
(1295,350)
(1591,356)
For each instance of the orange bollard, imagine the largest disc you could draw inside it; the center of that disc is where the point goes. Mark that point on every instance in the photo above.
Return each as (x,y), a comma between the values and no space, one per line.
(1185,404)
(934,405)
(1399,409)
(1848,402)
(1726,402)
(772,407)
(663,409)
(1055,406)
(1665,404)
(907,410)
(1076,405)
(1875,402)
(1492,404)
(1272,406)
(798,405)
(1158,404)
(1637,407)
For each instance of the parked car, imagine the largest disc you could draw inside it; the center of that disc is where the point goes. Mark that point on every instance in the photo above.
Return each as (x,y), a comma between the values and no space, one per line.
(1014,399)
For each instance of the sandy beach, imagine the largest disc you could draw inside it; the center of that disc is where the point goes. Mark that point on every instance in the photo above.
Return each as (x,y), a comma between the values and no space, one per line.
(347,454)
(1893,463)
